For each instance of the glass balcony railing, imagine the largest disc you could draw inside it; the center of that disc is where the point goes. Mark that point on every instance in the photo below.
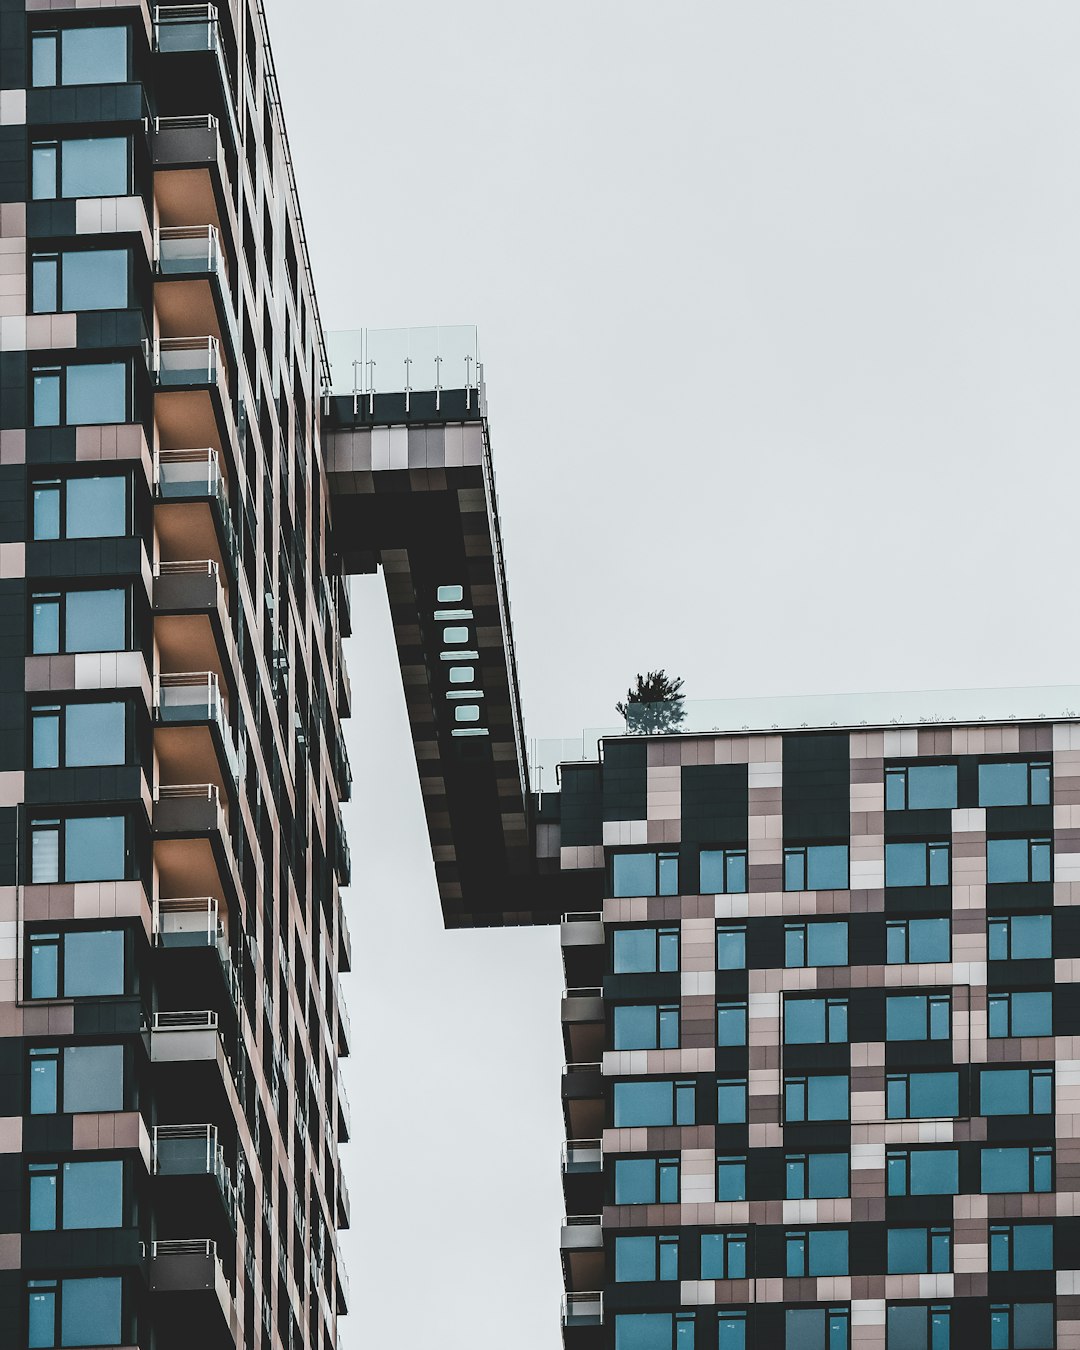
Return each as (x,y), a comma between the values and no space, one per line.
(186,250)
(187,362)
(402,360)
(197,697)
(192,1151)
(583,1155)
(186,28)
(583,1310)
(189,921)
(190,475)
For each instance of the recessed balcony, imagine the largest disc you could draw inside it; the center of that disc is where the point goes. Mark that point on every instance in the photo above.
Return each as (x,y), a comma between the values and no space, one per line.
(192,180)
(583,1023)
(583,1320)
(194,1184)
(344,1205)
(190,49)
(192,296)
(583,1176)
(192,403)
(191,937)
(344,1036)
(582,1246)
(192,737)
(583,1100)
(582,939)
(192,1295)
(191,507)
(192,846)
(191,619)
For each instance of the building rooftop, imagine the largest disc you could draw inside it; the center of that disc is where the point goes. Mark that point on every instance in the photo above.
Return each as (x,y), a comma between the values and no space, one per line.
(806,712)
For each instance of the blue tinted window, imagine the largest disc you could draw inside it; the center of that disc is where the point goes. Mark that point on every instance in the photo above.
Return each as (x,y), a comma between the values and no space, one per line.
(635,1258)
(45,624)
(94,733)
(917,1017)
(918,1251)
(653,1331)
(1016,1092)
(43,1193)
(1021,1326)
(644,1103)
(45,738)
(635,1181)
(96,393)
(723,1256)
(93,1078)
(917,864)
(645,874)
(90,1312)
(1014,784)
(817,1097)
(93,963)
(731,1024)
(816,1329)
(722,871)
(92,279)
(931,787)
(1012,1170)
(93,1194)
(1021,1013)
(1019,937)
(827,867)
(816,1176)
(731,1101)
(1024,1246)
(921,1095)
(95,166)
(732,1330)
(95,621)
(815,1021)
(731,947)
(44,1083)
(96,508)
(94,848)
(913,941)
(645,950)
(931,1171)
(93,55)
(816,944)
(1017,860)
(730,1179)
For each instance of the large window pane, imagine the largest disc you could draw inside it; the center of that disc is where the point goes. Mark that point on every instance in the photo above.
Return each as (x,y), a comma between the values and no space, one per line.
(43,1085)
(643,1104)
(93,1078)
(43,1201)
(1003,784)
(90,1312)
(1033,1326)
(96,393)
(634,950)
(827,867)
(96,507)
(95,734)
(931,787)
(46,399)
(805,1329)
(1007,860)
(44,160)
(633,874)
(96,621)
(41,1318)
(95,279)
(95,167)
(94,848)
(94,56)
(93,1194)
(934,1172)
(93,963)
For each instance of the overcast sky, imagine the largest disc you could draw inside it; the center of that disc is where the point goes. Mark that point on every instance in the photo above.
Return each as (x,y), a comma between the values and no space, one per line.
(779,303)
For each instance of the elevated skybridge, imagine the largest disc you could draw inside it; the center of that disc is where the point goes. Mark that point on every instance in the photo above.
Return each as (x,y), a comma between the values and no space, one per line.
(408,455)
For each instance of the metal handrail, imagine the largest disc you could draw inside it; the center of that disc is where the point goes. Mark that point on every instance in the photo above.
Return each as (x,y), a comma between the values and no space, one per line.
(184,1247)
(584,916)
(205,905)
(200,791)
(583,1220)
(207,455)
(583,991)
(592,1299)
(201,567)
(205,1020)
(196,122)
(583,1068)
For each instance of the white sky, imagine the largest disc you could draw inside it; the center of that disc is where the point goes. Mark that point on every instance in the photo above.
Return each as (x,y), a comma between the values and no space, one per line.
(779,303)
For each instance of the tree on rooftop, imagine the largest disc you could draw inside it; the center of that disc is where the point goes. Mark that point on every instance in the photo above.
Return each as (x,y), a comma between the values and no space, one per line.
(653,704)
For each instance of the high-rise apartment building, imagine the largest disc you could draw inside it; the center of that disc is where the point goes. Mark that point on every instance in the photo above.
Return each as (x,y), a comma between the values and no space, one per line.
(822,1037)
(172,766)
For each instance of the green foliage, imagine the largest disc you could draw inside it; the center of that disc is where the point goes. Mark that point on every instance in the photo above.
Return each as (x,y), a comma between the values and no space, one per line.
(653,705)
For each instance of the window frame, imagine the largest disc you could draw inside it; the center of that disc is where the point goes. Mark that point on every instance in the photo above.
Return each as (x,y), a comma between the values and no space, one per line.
(61,597)
(1034,1074)
(41,822)
(834,1018)
(1008,1312)
(1002,924)
(735,931)
(932,1003)
(797,864)
(665,870)
(801,932)
(803,1164)
(734,1247)
(51,936)
(58,257)
(665,1246)
(39,711)
(733,1161)
(58,32)
(1036,1154)
(58,145)
(1034,767)
(661,935)
(665,1016)
(905,1078)
(62,483)
(996,999)
(61,371)
(1007,1229)
(795,1082)
(734,858)
(802,1240)
(59,1168)
(900,774)
(904,926)
(56,1054)
(734,1007)
(57,1286)
(1035,844)
(664,1168)
(903,1155)
(936,861)
(937,1243)
(932,1311)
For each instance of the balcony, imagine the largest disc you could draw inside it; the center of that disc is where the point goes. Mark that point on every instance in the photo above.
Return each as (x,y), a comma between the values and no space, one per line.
(344,1036)
(192,737)
(342,768)
(192,295)
(583,1100)
(342,1289)
(582,1247)
(344,1115)
(582,939)
(190,935)
(191,507)
(190,51)
(191,619)
(192,179)
(194,1185)
(192,845)
(192,403)
(344,944)
(192,1296)
(191,1065)
(583,1023)
(583,1175)
(583,1320)
(344,1205)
